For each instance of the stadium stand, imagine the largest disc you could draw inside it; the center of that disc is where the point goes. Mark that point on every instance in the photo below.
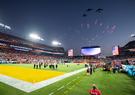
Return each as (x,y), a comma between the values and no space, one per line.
(15,49)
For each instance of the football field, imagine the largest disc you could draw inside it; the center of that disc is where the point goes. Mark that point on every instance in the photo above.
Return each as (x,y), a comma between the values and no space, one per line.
(28,74)
(79,84)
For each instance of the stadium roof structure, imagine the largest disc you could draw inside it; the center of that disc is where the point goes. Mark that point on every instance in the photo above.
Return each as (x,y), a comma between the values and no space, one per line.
(130,45)
(23,42)
(91,47)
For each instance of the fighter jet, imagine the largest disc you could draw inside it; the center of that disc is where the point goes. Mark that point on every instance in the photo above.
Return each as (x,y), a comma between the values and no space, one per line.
(84,15)
(99,10)
(89,10)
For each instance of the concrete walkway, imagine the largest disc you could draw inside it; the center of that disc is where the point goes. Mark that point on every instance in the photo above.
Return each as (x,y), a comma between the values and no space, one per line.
(29,87)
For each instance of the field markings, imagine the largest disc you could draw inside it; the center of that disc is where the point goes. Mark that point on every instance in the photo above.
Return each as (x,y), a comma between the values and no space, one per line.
(68,83)
(29,87)
(51,93)
(56,90)
(71,87)
(60,88)
(66,91)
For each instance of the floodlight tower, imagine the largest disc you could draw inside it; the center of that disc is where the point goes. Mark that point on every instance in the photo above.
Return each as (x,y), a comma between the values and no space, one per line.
(56,43)
(35,37)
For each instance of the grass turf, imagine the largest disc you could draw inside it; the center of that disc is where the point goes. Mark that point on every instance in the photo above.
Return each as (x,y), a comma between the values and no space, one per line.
(108,83)
(69,67)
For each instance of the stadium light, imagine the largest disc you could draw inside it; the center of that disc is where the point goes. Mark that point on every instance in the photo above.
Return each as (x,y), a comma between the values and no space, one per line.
(5,26)
(56,43)
(132,35)
(35,36)
(1,24)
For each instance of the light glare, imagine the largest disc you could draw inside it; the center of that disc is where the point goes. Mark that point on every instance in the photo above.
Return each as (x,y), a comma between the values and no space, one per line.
(56,43)
(36,37)
(132,35)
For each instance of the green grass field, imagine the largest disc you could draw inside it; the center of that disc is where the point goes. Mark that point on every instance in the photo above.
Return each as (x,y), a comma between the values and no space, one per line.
(108,83)
(61,67)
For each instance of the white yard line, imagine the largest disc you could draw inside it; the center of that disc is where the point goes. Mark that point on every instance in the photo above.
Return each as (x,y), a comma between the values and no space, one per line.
(51,93)
(60,88)
(68,83)
(29,87)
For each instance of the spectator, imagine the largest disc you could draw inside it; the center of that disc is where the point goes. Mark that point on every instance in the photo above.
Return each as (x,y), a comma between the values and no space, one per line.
(94,90)
(91,69)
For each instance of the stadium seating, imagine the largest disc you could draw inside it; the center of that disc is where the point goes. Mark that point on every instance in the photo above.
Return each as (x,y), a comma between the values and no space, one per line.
(130,69)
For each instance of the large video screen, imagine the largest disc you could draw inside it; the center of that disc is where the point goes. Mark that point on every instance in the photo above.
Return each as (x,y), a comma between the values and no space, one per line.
(70,52)
(90,51)
(115,50)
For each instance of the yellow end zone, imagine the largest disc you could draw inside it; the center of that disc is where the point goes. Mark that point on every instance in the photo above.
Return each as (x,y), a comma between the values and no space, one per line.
(27,74)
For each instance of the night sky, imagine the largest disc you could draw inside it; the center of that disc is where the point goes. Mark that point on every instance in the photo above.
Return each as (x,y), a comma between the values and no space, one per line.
(63,20)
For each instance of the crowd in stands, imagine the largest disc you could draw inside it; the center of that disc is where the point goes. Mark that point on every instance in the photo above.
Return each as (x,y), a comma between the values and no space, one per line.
(22,57)
(124,65)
